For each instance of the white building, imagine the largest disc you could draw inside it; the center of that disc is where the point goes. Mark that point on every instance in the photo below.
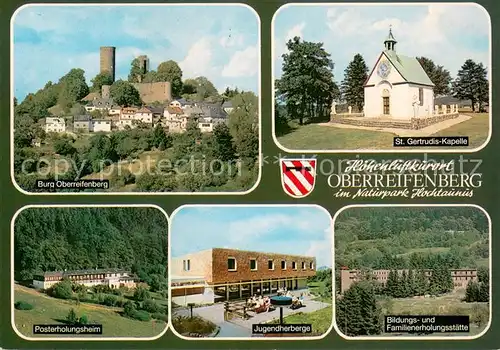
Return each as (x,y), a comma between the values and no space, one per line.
(398,86)
(144,115)
(55,124)
(103,125)
(114,278)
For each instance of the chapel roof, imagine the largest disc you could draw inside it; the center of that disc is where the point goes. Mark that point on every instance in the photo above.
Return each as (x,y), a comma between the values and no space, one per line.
(410,69)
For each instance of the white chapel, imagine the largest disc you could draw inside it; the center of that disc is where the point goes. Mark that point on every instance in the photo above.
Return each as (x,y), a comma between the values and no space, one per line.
(397,86)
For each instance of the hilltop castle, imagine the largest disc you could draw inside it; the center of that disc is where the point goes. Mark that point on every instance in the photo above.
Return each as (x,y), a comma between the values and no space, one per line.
(149,92)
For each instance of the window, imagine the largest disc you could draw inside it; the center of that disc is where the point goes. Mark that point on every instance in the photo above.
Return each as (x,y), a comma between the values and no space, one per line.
(294,265)
(253,264)
(270,264)
(311,265)
(283,264)
(303,265)
(231,264)
(421,96)
(186,265)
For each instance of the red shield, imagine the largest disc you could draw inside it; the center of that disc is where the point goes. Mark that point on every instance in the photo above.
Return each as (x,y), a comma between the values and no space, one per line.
(298,176)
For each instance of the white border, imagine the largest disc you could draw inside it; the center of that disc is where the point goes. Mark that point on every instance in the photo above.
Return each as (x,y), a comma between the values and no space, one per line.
(70,339)
(259,82)
(394,150)
(244,206)
(283,175)
(416,338)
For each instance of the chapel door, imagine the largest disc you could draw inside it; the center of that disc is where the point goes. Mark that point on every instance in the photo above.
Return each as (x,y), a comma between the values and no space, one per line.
(386,105)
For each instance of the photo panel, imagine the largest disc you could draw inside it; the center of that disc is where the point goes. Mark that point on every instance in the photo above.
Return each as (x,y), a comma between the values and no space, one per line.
(251,272)
(381,77)
(156,98)
(90,272)
(421,271)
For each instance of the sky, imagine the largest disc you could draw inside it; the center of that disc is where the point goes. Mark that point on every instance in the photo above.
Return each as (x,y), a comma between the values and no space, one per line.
(219,42)
(294,230)
(448,34)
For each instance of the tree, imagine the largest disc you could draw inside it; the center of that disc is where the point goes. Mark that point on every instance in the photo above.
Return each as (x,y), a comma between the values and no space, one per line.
(472,84)
(99,80)
(223,148)
(64,146)
(62,290)
(141,293)
(73,87)
(439,76)
(352,86)
(161,140)
(243,125)
(392,284)
(125,94)
(136,74)
(200,89)
(71,318)
(83,320)
(472,292)
(306,86)
(171,72)
(230,93)
(357,312)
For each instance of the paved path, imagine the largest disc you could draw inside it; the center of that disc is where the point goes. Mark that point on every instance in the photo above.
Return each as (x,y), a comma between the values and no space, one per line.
(427,131)
(239,327)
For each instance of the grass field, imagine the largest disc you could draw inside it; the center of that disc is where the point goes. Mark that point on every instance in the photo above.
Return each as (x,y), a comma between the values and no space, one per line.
(320,320)
(318,289)
(449,304)
(48,310)
(320,137)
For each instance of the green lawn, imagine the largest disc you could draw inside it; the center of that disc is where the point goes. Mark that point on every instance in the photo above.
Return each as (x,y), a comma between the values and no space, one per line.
(449,304)
(318,137)
(318,290)
(320,320)
(53,311)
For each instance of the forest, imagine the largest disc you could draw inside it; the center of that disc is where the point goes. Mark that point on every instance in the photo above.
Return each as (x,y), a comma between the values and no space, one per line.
(55,239)
(412,237)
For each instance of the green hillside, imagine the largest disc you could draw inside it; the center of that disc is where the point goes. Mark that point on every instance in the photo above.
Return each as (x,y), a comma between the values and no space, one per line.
(394,238)
(48,310)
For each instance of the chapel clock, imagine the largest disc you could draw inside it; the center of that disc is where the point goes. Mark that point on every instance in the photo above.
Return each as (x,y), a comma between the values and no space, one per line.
(383,70)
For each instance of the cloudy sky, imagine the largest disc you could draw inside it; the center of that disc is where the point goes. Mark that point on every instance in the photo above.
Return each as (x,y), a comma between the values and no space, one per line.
(219,42)
(295,230)
(448,34)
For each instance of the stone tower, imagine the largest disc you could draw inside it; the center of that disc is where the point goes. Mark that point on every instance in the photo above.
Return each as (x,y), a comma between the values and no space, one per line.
(107,60)
(143,63)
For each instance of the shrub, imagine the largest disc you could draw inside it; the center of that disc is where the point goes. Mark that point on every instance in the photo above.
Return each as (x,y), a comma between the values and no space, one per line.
(141,294)
(71,318)
(83,319)
(62,290)
(150,306)
(110,300)
(129,308)
(195,324)
(22,305)
(160,316)
(140,315)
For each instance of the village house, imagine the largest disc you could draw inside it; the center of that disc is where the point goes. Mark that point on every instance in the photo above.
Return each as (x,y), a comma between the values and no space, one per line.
(174,119)
(105,105)
(101,125)
(219,274)
(55,124)
(82,123)
(122,124)
(227,106)
(114,278)
(128,113)
(180,102)
(145,115)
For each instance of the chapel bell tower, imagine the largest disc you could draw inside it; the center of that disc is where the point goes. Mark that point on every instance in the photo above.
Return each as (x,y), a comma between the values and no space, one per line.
(390,42)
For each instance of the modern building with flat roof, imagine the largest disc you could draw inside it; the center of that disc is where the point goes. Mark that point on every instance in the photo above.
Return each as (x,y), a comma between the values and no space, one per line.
(220,274)
(461,277)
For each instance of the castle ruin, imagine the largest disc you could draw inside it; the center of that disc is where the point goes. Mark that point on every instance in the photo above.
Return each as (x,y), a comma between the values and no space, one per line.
(149,92)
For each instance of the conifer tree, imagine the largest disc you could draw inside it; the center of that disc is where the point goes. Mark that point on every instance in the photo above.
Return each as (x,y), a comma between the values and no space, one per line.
(483,293)
(352,87)
(392,284)
(357,312)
